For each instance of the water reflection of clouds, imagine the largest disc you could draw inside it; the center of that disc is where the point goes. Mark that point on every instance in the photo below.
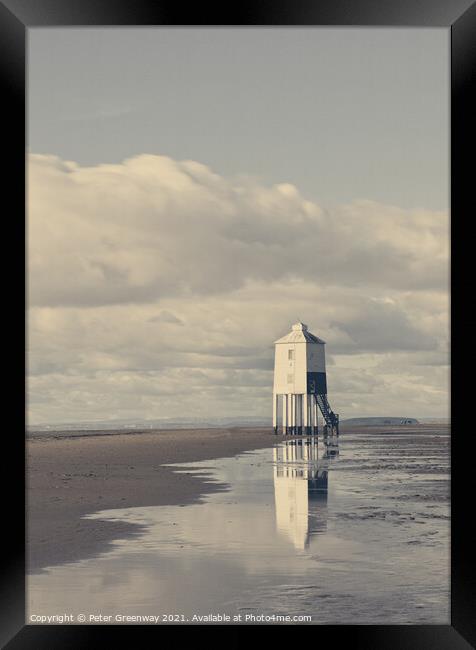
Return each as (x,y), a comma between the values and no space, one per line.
(273,542)
(217,548)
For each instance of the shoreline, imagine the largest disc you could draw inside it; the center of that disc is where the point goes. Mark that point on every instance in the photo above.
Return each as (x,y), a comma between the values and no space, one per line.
(71,476)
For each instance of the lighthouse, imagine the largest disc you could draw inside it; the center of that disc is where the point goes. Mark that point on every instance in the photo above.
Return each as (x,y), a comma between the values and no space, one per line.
(300,384)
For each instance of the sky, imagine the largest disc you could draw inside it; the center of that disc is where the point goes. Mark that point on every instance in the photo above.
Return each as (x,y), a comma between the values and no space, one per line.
(193,192)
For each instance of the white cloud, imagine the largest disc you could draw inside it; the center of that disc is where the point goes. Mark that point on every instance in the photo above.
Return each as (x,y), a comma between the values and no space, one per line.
(153,227)
(158,287)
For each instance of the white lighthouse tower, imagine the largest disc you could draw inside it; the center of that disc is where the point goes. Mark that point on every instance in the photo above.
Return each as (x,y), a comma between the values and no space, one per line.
(300,385)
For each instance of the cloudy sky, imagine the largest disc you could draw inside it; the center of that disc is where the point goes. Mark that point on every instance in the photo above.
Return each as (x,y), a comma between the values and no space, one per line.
(193,192)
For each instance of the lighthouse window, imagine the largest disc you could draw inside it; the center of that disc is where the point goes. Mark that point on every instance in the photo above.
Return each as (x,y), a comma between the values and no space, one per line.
(290,354)
(290,379)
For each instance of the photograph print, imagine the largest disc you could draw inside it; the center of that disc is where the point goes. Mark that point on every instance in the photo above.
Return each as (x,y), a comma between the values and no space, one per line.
(238,326)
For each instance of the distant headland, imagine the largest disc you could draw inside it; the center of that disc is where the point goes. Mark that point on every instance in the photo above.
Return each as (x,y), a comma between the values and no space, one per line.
(378,421)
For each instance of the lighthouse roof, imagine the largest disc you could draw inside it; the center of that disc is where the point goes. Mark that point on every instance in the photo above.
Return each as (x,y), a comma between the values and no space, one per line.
(299,334)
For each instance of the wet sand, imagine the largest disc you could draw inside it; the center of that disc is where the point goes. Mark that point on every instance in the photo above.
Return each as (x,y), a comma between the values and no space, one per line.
(68,477)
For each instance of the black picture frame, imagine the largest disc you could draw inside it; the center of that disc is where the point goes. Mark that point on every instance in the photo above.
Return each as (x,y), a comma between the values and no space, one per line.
(458,16)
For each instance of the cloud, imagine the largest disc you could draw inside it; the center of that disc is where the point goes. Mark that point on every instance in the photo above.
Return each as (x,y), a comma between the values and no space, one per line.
(157,289)
(165,316)
(153,227)
(383,326)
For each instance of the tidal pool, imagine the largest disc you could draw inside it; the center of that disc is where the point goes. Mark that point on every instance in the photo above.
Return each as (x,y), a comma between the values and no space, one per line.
(352,530)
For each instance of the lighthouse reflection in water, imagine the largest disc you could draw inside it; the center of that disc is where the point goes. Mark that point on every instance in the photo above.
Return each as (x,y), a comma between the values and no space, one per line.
(300,487)
(379,556)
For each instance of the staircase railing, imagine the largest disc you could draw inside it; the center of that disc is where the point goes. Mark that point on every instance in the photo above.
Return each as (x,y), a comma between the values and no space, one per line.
(331,419)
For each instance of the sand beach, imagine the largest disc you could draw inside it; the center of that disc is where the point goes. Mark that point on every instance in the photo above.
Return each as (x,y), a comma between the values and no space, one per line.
(248,522)
(70,476)
(77,473)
